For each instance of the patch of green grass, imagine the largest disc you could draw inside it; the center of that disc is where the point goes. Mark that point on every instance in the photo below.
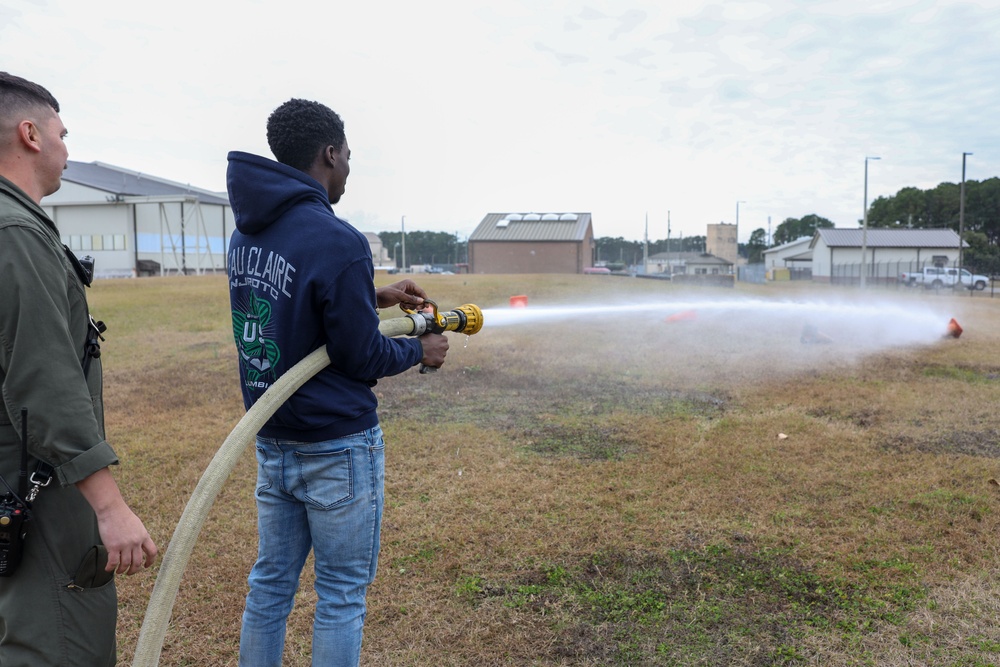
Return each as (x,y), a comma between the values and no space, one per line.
(706,605)
(589,442)
(961,374)
(955,503)
(469,588)
(424,554)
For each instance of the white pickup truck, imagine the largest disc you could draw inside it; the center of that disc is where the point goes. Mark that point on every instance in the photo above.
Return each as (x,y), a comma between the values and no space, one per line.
(936,278)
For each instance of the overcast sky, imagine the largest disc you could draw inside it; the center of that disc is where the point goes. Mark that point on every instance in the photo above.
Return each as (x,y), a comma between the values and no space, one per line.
(457,108)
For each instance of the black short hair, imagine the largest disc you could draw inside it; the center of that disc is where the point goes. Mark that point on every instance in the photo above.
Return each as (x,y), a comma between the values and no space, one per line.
(299,129)
(18,95)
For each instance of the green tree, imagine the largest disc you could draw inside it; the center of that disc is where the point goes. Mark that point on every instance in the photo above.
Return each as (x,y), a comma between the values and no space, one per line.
(619,252)
(981,256)
(795,228)
(908,208)
(425,247)
(939,208)
(982,208)
(757,246)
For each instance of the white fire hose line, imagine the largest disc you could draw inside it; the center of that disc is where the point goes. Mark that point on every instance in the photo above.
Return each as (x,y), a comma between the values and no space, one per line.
(175,560)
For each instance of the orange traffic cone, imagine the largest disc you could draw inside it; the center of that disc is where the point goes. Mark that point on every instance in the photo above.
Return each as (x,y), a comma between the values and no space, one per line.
(954,329)
(682,316)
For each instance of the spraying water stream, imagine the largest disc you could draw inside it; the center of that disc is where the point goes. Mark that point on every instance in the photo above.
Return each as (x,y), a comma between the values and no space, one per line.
(882,323)
(726,336)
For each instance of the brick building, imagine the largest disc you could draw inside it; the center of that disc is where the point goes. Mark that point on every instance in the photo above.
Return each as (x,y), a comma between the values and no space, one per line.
(532,243)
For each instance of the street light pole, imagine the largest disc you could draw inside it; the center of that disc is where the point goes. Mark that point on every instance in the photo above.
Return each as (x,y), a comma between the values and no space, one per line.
(670,269)
(961,219)
(402,225)
(736,265)
(864,227)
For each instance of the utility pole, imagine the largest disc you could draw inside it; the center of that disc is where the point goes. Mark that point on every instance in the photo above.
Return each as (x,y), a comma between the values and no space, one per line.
(645,246)
(736,264)
(670,269)
(864,227)
(961,219)
(403,233)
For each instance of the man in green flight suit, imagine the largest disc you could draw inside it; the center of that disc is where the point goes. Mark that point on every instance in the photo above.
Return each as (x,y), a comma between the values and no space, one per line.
(58,608)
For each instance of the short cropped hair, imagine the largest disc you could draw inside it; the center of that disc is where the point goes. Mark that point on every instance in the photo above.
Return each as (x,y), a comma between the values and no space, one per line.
(299,129)
(18,95)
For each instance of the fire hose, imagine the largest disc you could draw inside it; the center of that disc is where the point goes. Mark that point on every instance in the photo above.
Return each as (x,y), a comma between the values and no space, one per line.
(466,319)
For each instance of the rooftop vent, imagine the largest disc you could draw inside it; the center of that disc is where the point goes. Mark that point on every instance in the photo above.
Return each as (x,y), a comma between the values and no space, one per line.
(568,216)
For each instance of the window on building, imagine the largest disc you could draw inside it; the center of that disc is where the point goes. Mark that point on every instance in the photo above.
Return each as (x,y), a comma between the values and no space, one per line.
(95,241)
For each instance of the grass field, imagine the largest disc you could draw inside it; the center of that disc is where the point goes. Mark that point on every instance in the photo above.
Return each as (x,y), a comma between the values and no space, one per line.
(615,488)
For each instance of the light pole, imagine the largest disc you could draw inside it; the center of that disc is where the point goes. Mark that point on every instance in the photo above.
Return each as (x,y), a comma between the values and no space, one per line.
(670,269)
(864,227)
(402,225)
(961,220)
(736,264)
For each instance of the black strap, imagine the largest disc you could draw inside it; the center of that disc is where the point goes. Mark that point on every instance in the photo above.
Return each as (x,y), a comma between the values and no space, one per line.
(86,277)
(22,473)
(91,350)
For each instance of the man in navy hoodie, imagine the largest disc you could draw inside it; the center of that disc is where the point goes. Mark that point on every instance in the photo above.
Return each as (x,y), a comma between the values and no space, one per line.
(301,278)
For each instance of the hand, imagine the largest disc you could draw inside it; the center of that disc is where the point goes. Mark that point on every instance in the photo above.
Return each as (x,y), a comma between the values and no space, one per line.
(406,293)
(435,349)
(128,542)
(130,548)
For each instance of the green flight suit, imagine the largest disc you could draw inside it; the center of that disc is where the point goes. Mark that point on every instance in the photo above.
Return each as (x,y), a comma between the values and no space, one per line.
(57,609)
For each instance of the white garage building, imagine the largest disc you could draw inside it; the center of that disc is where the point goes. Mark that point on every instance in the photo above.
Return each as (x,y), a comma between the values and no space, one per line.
(137,224)
(837,253)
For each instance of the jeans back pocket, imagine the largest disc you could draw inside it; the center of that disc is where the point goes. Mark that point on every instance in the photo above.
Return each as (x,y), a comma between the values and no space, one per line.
(326,477)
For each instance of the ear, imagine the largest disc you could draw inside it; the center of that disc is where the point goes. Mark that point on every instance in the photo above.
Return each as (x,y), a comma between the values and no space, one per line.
(331,156)
(29,136)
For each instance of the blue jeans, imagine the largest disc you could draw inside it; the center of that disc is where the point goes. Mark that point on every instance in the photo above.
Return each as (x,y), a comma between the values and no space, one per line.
(326,496)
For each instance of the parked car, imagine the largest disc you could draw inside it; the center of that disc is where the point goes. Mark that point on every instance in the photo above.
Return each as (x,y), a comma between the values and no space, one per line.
(935,277)
(596,269)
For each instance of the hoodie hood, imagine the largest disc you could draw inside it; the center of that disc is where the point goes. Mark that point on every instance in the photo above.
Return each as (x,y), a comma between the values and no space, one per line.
(262,190)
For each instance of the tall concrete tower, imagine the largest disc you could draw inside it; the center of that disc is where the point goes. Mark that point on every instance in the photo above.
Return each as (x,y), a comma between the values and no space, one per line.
(721,241)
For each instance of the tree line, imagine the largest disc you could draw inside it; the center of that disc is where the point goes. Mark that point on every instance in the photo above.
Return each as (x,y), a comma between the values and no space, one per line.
(940,208)
(910,208)
(434,248)
(437,248)
(913,208)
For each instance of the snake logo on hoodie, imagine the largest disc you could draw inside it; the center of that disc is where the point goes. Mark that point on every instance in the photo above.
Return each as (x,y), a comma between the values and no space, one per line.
(259,354)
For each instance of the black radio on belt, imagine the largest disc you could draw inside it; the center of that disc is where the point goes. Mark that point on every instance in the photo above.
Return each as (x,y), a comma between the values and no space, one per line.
(14,520)
(15,511)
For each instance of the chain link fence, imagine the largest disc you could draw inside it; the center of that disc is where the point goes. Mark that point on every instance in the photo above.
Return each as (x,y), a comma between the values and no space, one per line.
(886,275)
(902,274)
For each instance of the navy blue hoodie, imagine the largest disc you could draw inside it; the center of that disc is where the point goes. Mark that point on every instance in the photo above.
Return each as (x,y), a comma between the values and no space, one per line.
(300,277)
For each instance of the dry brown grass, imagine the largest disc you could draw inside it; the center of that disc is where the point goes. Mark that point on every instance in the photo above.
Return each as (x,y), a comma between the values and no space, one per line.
(609,493)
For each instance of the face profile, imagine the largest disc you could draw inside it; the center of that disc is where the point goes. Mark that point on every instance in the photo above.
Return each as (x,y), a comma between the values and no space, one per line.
(340,171)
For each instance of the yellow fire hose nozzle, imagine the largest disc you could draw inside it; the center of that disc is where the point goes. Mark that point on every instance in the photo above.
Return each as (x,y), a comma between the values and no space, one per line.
(467,319)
